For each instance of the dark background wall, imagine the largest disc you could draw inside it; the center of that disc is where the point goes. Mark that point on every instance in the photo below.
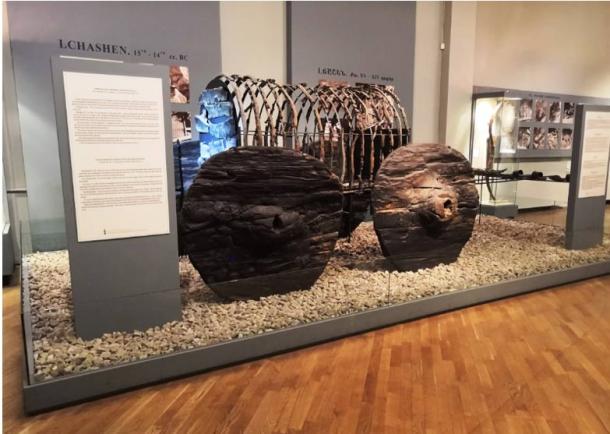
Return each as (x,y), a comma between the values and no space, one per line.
(145,32)
(354,42)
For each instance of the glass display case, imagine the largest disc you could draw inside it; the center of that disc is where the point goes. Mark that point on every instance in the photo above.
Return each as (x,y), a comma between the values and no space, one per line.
(522,125)
(283,247)
(495,142)
(513,131)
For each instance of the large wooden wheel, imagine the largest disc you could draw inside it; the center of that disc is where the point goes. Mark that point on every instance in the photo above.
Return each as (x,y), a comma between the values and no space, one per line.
(261,220)
(424,202)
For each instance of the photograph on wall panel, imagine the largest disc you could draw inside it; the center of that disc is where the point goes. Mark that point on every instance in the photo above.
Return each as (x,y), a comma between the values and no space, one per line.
(555,112)
(542,110)
(524,138)
(180,91)
(552,141)
(181,126)
(525,109)
(566,138)
(539,138)
(569,109)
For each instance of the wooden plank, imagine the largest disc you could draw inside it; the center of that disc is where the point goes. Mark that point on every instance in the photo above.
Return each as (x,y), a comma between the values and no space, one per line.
(425,201)
(261,220)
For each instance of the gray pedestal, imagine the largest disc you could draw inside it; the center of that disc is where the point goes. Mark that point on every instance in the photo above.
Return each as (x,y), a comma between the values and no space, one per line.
(118,284)
(585,220)
(8,256)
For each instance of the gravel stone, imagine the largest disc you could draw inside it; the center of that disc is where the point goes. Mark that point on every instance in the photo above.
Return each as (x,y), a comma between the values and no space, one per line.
(357,278)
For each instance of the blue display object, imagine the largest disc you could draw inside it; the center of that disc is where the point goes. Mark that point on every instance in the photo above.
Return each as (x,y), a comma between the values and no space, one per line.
(217,132)
(215,123)
(186,163)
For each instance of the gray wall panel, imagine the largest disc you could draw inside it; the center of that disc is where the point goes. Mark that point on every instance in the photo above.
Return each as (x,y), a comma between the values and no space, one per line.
(359,37)
(171,28)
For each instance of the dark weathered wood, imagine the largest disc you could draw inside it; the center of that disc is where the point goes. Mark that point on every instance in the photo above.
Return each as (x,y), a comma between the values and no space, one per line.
(364,117)
(356,205)
(261,220)
(425,203)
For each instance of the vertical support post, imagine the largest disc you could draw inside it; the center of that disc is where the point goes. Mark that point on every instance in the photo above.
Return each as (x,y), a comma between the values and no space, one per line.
(588,177)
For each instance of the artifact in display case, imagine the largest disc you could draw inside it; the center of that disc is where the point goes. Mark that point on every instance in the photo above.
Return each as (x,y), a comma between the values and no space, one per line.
(284,203)
(507,125)
(425,202)
(510,127)
(264,213)
(496,121)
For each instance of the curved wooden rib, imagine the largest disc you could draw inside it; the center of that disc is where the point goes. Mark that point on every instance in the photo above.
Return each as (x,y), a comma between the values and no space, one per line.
(369,117)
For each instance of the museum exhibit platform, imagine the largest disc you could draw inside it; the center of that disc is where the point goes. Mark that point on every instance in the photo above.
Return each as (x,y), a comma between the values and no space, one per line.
(359,290)
(284,237)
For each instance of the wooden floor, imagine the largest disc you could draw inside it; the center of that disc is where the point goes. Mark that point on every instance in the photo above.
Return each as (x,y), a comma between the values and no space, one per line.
(537,363)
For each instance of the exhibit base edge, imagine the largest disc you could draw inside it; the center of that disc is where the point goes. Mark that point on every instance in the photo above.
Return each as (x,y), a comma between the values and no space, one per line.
(72,389)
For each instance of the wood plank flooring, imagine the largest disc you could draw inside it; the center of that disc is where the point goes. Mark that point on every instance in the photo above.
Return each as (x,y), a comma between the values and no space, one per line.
(538,363)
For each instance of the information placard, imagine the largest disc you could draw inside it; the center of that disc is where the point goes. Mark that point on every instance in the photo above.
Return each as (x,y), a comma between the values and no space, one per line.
(595,154)
(115,155)
(589,172)
(116,131)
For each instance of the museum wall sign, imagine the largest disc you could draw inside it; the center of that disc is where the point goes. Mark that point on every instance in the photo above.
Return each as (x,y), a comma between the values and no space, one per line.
(361,42)
(123,50)
(182,35)
(116,129)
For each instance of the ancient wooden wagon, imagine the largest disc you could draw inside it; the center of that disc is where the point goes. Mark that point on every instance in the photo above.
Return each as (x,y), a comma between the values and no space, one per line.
(287,169)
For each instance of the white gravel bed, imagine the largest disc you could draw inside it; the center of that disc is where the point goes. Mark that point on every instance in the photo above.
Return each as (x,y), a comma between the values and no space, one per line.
(354,280)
